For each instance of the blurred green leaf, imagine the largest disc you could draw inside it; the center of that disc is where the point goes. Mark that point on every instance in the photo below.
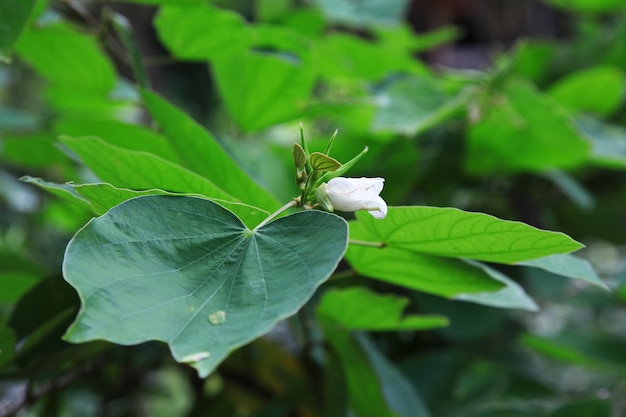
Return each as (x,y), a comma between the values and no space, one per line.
(608,141)
(363,13)
(201,31)
(598,352)
(412,105)
(598,90)
(456,233)
(358,308)
(594,407)
(14,19)
(124,135)
(220,285)
(200,152)
(523,130)
(7,345)
(263,88)
(569,266)
(35,151)
(348,57)
(589,5)
(67,57)
(405,38)
(13,284)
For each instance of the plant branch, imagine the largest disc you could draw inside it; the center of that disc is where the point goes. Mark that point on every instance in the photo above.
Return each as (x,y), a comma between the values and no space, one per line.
(292,203)
(367,243)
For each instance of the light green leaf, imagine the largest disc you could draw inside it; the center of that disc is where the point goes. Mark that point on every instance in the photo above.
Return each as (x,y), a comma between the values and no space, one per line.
(68,58)
(524,130)
(589,5)
(186,271)
(124,135)
(64,191)
(363,13)
(35,150)
(455,233)
(7,345)
(14,17)
(140,170)
(598,90)
(511,296)
(413,105)
(201,31)
(200,152)
(263,88)
(568,266)
(608,141)
(358,308)
(324,163)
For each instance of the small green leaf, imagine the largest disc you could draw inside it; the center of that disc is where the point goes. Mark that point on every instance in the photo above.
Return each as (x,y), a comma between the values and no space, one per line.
(455,233)
(14,18)
(186,271)
(568,266)
(324,163)
(358,308)
(299,156)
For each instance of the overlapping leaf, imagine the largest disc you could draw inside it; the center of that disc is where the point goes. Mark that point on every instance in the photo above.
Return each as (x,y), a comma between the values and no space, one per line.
(187,272)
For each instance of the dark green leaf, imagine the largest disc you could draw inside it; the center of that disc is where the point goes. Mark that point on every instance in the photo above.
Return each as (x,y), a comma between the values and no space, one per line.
(14,17)
(187,272)
(7,345)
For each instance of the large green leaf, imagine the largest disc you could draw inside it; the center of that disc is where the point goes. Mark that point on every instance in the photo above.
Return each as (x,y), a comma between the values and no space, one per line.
(68,58)
(599,90)
(263,88)
(140,170)
(455,233)
(186,271)
(524,130)
(201,31)
(7,345)
(361,309)
(14,18)
(201,153)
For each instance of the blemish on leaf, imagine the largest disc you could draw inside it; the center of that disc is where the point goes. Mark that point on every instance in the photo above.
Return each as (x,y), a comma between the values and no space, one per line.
(196,357)
(217,318)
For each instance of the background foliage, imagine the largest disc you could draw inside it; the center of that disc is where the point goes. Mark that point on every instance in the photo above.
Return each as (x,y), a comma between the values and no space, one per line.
(466,316)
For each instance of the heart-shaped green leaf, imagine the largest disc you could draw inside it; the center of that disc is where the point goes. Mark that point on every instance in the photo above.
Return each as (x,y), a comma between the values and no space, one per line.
(324,163)
(187,271)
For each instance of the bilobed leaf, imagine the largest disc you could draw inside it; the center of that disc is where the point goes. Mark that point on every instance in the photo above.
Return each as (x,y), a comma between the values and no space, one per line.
(186,271)
(524,131)
(455,233)
(14,17)
(68,58)
(201,31)
(598,90)
(569,266)
(299,156)
(200,152)
(324,163)
(358,308)
(263,88)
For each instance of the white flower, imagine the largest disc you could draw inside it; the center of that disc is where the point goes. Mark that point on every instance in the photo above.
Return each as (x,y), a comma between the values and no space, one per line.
(351,194)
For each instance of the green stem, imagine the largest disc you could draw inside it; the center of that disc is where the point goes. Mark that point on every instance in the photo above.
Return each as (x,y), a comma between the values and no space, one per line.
(272,216)
(367,243)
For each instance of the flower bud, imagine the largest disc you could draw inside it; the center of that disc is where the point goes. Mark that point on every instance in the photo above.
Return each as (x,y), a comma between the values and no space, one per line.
(351,194)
